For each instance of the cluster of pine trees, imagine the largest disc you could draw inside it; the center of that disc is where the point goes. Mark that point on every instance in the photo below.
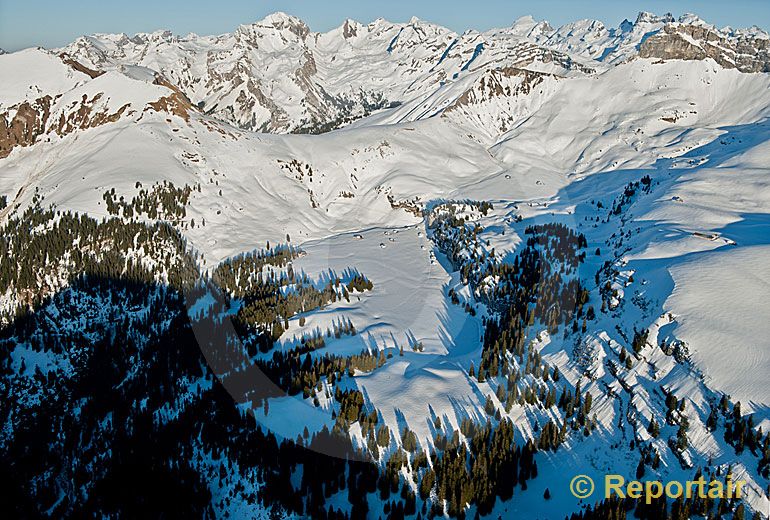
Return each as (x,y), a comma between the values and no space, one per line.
(43,250)
(295,373)
(124,426)
(359,283)
(487,466)
(643,185)
(538,286)
(741,433)
(114,414)
(272,293)
(240,274)
(164,201)
(458,238)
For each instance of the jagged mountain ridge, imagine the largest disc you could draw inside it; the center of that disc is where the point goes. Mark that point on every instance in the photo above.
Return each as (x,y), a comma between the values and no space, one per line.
(746,52)
(320,80)
(276,75)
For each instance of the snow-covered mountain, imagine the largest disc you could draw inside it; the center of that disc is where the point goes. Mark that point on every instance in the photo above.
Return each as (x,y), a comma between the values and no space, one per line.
(458,155)
(693,39)
(278,76)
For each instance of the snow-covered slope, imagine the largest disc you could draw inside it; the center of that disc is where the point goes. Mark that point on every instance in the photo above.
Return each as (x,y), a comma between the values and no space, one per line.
(44,96)
(548,125)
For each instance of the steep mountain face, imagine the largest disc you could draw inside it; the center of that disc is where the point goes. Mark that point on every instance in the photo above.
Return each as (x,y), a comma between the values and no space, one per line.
(528,191)
(501,98)
(590,38)
(745,51)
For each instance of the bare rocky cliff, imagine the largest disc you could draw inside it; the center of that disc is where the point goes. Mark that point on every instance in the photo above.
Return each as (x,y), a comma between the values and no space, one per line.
(747,53)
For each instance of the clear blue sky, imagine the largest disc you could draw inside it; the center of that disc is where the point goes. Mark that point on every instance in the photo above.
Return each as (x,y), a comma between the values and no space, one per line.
(50,23)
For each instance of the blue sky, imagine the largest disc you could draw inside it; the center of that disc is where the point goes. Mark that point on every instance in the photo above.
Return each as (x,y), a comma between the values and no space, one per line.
(25,23)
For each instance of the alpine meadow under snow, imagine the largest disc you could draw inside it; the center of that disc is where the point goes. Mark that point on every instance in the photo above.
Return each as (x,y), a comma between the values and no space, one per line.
(463,260)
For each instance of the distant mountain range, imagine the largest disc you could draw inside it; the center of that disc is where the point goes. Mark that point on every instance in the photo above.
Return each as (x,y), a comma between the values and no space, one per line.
(276,75)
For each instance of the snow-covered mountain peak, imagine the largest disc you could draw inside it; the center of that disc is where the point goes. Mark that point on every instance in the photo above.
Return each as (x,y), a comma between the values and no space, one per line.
(276,75)
(593,40)
(626,26)
(748,32)
(350,28)
(527,26)
(646,17)
(281,20)
(693,39)
(693,19)
(49,97)
(287,26)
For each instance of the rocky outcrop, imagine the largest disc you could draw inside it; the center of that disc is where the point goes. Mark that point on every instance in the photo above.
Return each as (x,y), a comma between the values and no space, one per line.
(23,128)
(177,103)
(349,29)
(80,67)
(747,53)
(23,125)
(497,83)
(500,98)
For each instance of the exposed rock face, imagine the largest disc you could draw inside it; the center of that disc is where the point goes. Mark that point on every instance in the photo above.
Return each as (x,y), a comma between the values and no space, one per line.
(177,103)
(23,128)
(80,67)
(349,29)
(33,119)
(747,53)
(63,96)
(497,83)
(500,97)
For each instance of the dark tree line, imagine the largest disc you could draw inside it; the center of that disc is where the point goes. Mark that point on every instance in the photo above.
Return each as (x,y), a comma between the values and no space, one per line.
(539,286)
(42,249)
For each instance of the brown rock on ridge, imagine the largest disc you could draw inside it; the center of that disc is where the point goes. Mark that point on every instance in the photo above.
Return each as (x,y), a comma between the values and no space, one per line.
(80,67)
(177,103)
(31,120)
(25,126)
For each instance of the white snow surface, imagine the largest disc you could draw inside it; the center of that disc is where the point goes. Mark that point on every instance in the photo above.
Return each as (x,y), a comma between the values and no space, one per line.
(697,245)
